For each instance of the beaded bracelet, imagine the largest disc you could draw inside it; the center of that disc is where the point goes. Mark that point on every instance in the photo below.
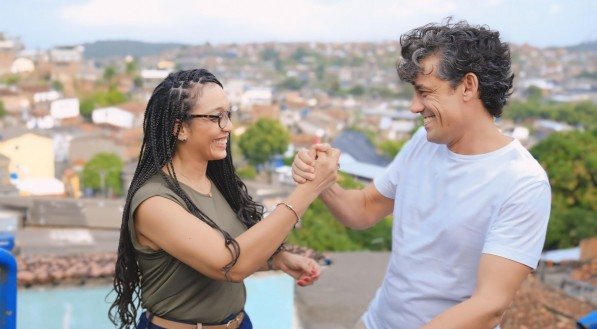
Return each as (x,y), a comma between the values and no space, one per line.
(298,219)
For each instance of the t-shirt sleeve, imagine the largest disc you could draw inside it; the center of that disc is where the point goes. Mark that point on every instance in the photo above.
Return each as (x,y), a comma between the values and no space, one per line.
(387,182)
(518,232)
(145,192)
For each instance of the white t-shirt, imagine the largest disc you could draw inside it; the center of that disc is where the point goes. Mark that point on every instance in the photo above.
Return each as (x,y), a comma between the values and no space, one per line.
(448,210)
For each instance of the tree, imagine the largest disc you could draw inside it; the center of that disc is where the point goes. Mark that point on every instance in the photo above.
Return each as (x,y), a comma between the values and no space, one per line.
(321,231)
(102,172)
(534,93)
(570,160)
(57,85)
(2,110)
(390,148)
(131,67)
(291,83)
(109,73)
(264,139)
(100,99)
(86,108)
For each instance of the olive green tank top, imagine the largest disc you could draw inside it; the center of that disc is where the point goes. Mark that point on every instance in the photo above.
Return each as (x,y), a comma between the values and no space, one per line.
(170,288)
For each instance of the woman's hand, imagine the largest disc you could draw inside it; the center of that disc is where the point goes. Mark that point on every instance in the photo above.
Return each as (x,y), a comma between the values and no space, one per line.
(303,269)
(303,166)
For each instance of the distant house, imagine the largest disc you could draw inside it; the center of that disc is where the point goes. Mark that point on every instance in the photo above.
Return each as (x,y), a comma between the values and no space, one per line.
(14,101)
(65,108)
(82,149)
(137,109)
(4,170)
(22,65)
(360,170)
(31,156)
(359,148)
(257,111)
(151,78)
(66,54)
(31,166)
(113,116)
(261,95)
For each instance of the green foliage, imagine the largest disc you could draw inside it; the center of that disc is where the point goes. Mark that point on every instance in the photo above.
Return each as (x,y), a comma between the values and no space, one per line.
(320,71)
(57,85)
(299,53)
(246,172)
(103,172)
(390,148)
(265,138)
(570,160)
(384,92)
(568,226)
(269,54)
(138,82)
(109,73)
(131,67)
(320,231)
(2,110)
(588,75)
(86,107)
(101,99)
(11,80)
(291,83)
(577,114)
(357,90)
(534,93)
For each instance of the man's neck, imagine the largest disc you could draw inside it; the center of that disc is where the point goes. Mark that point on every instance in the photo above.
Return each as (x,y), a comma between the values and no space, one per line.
(482,137)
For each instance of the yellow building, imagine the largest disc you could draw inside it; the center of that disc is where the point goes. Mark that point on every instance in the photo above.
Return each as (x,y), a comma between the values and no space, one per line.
(31,156)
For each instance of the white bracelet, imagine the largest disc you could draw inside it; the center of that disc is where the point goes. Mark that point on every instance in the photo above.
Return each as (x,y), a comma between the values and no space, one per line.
(298,219)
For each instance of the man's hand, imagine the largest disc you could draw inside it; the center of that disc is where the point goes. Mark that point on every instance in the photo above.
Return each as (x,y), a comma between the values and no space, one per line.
(303,166)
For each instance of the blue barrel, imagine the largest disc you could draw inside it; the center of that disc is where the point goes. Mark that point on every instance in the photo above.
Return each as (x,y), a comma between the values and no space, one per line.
(7,241)
(8,290)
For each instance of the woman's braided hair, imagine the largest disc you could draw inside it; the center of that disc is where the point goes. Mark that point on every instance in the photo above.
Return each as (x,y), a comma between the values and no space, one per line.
(168,106)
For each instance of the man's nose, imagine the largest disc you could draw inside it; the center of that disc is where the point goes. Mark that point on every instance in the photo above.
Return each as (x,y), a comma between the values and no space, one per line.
(416,106)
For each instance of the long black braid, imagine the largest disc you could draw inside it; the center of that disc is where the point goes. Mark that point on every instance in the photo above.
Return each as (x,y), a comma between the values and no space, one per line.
(168,107)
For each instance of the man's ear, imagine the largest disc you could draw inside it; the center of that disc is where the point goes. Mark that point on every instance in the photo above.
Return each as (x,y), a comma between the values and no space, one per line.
(470,82)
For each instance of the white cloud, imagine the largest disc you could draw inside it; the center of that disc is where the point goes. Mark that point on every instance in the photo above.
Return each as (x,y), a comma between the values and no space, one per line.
(116,12)
(555,8)
(260,19)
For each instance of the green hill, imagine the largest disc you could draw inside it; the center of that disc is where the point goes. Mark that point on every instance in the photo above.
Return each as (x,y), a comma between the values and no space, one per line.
(118,48)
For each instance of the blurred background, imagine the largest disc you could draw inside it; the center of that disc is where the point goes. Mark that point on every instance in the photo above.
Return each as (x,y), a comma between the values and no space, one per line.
(75,77)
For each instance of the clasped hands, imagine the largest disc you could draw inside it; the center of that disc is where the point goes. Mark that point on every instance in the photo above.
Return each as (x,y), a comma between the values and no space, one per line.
(318,160)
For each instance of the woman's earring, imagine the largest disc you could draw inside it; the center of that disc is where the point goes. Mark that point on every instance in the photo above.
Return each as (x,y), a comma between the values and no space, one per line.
(182,139)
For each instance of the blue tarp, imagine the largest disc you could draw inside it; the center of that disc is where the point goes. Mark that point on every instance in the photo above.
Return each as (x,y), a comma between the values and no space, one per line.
(588,321)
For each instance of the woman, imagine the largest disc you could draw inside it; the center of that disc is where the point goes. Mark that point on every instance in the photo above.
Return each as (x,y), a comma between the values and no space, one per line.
(190,232)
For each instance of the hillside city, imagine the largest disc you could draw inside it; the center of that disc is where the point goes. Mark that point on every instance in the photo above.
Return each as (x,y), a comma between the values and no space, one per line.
(71,131)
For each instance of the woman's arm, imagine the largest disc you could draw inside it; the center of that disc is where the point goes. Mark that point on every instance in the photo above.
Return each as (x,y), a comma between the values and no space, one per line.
(170,227)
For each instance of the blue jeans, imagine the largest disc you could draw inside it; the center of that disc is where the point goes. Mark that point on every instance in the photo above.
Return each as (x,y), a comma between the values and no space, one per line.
(145,324)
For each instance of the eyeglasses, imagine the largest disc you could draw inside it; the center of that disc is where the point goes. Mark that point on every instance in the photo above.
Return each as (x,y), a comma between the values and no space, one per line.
(222,119)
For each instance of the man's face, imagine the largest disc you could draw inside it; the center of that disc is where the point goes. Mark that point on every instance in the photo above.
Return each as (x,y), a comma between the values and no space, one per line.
(439,104)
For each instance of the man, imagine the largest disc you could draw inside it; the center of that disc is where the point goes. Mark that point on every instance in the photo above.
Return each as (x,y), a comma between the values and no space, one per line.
(470,204)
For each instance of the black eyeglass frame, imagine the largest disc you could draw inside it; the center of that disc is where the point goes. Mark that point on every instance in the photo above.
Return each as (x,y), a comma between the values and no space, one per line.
(213,117)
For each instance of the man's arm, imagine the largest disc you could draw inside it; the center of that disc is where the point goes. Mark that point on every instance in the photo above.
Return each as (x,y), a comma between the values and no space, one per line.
(498,280)
(357,209)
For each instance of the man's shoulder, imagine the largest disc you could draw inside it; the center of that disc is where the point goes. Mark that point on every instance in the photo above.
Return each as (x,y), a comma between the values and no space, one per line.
(523,166)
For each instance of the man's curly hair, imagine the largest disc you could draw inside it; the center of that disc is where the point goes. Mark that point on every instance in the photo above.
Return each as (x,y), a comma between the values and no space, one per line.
(462,49)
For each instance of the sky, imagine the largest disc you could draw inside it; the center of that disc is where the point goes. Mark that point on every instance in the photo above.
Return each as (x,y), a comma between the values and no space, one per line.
(41,24)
